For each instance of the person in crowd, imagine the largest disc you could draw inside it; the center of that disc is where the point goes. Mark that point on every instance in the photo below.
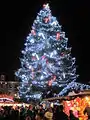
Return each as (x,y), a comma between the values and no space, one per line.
(22,113)
(28,118)
(48,114)
(72,116)
(29,113)
(87,111)
(1,114)
(39,116)
(60,113)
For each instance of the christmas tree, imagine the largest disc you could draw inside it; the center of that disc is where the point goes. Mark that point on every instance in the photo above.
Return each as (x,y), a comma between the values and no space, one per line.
(46,61)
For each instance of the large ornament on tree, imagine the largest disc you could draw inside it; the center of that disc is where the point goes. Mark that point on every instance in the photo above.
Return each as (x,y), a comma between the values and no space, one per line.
(46,6)
(58,36)
(33,32)
(34,58)
(62,54)
(54,78)
(43,57)
(46,19)
(50,82)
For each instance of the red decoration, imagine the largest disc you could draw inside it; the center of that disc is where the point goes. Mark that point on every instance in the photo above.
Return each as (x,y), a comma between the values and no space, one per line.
(46,19)
(62,54)
(43,57)
(47,61)
(58,36)
(54,78)
(44,5)
(33,32)
(50,82)
(34,58)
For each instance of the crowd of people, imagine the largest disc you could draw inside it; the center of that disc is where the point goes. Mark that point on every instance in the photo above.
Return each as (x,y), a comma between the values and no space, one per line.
(35,113)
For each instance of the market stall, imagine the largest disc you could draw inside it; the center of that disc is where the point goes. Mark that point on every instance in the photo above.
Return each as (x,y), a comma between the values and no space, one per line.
(76,102)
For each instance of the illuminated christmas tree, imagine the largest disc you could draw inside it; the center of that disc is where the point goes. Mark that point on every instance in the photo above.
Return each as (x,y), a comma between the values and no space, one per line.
(47,61)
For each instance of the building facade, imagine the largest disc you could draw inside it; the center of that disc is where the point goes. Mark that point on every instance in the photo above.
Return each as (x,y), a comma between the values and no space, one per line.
(9,88)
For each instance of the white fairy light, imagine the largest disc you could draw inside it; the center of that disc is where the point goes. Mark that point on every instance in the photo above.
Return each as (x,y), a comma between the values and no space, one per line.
(54,23)
(63,75)
(41,34)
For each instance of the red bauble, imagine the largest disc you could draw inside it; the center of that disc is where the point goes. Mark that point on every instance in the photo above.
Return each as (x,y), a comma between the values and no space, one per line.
(43,57)
(58,36)
(54,78)
(50,83)
(33,32)
(47,61)
(62,54)
(44,5)
(46,19)
(34,58)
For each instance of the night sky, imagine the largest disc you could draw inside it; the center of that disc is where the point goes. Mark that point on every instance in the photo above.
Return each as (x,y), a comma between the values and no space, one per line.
(17,18)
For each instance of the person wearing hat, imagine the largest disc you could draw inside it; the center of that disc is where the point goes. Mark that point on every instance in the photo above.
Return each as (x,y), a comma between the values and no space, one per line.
(49,114)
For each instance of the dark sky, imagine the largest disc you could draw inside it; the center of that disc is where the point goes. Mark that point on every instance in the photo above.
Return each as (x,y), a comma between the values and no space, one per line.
(16,19)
